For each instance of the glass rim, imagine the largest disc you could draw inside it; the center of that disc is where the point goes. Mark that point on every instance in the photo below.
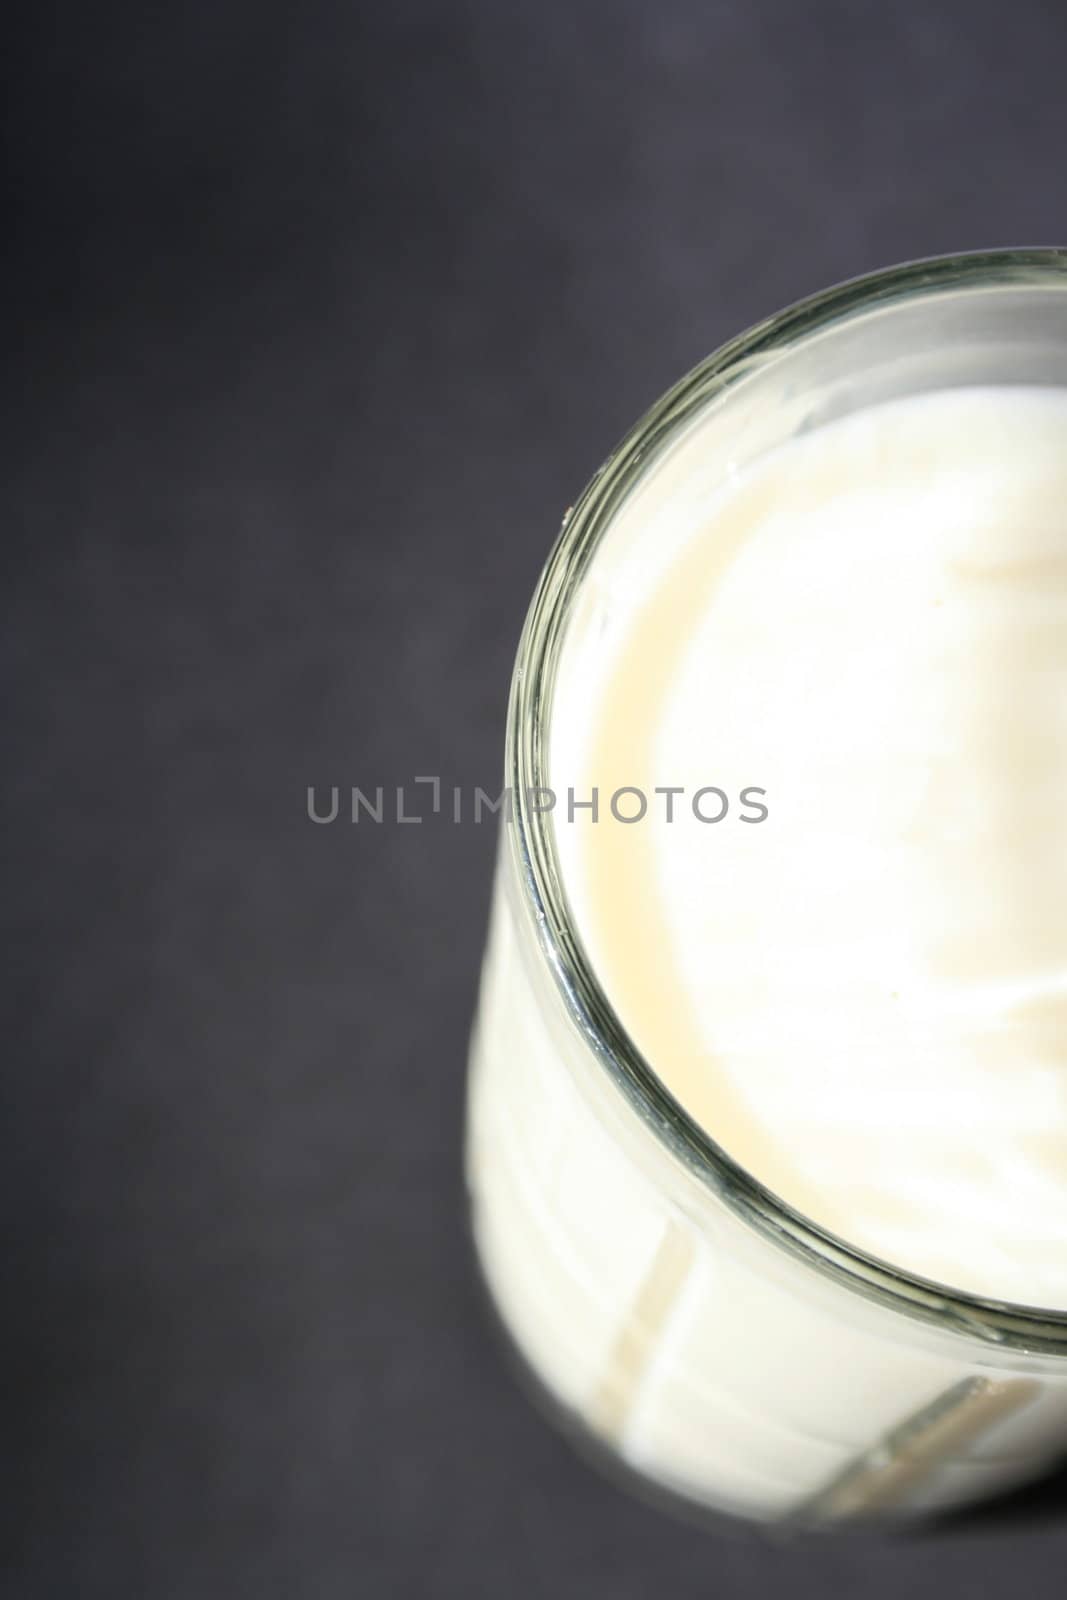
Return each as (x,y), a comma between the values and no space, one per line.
(1006,1324)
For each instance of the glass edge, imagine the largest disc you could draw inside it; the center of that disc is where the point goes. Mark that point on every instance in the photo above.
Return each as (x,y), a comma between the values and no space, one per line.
(1006,1325)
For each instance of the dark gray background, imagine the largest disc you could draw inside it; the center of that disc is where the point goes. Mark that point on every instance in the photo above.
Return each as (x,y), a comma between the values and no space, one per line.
(318,316)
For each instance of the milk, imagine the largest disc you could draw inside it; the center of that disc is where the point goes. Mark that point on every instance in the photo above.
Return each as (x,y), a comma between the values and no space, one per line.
(854,979)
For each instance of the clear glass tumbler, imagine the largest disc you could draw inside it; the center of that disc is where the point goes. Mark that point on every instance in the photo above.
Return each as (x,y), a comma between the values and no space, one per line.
(714,1340)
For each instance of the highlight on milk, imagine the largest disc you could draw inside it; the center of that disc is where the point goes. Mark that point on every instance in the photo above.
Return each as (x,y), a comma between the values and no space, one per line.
(767,1142)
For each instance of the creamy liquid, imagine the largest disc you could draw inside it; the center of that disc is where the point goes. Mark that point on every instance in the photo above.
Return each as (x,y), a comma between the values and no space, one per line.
(862,998)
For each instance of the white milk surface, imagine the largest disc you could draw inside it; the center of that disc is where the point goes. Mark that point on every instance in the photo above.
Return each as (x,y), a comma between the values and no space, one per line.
(861,996)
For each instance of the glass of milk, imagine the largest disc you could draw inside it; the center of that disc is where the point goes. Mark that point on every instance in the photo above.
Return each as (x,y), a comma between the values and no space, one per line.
(767,1139)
